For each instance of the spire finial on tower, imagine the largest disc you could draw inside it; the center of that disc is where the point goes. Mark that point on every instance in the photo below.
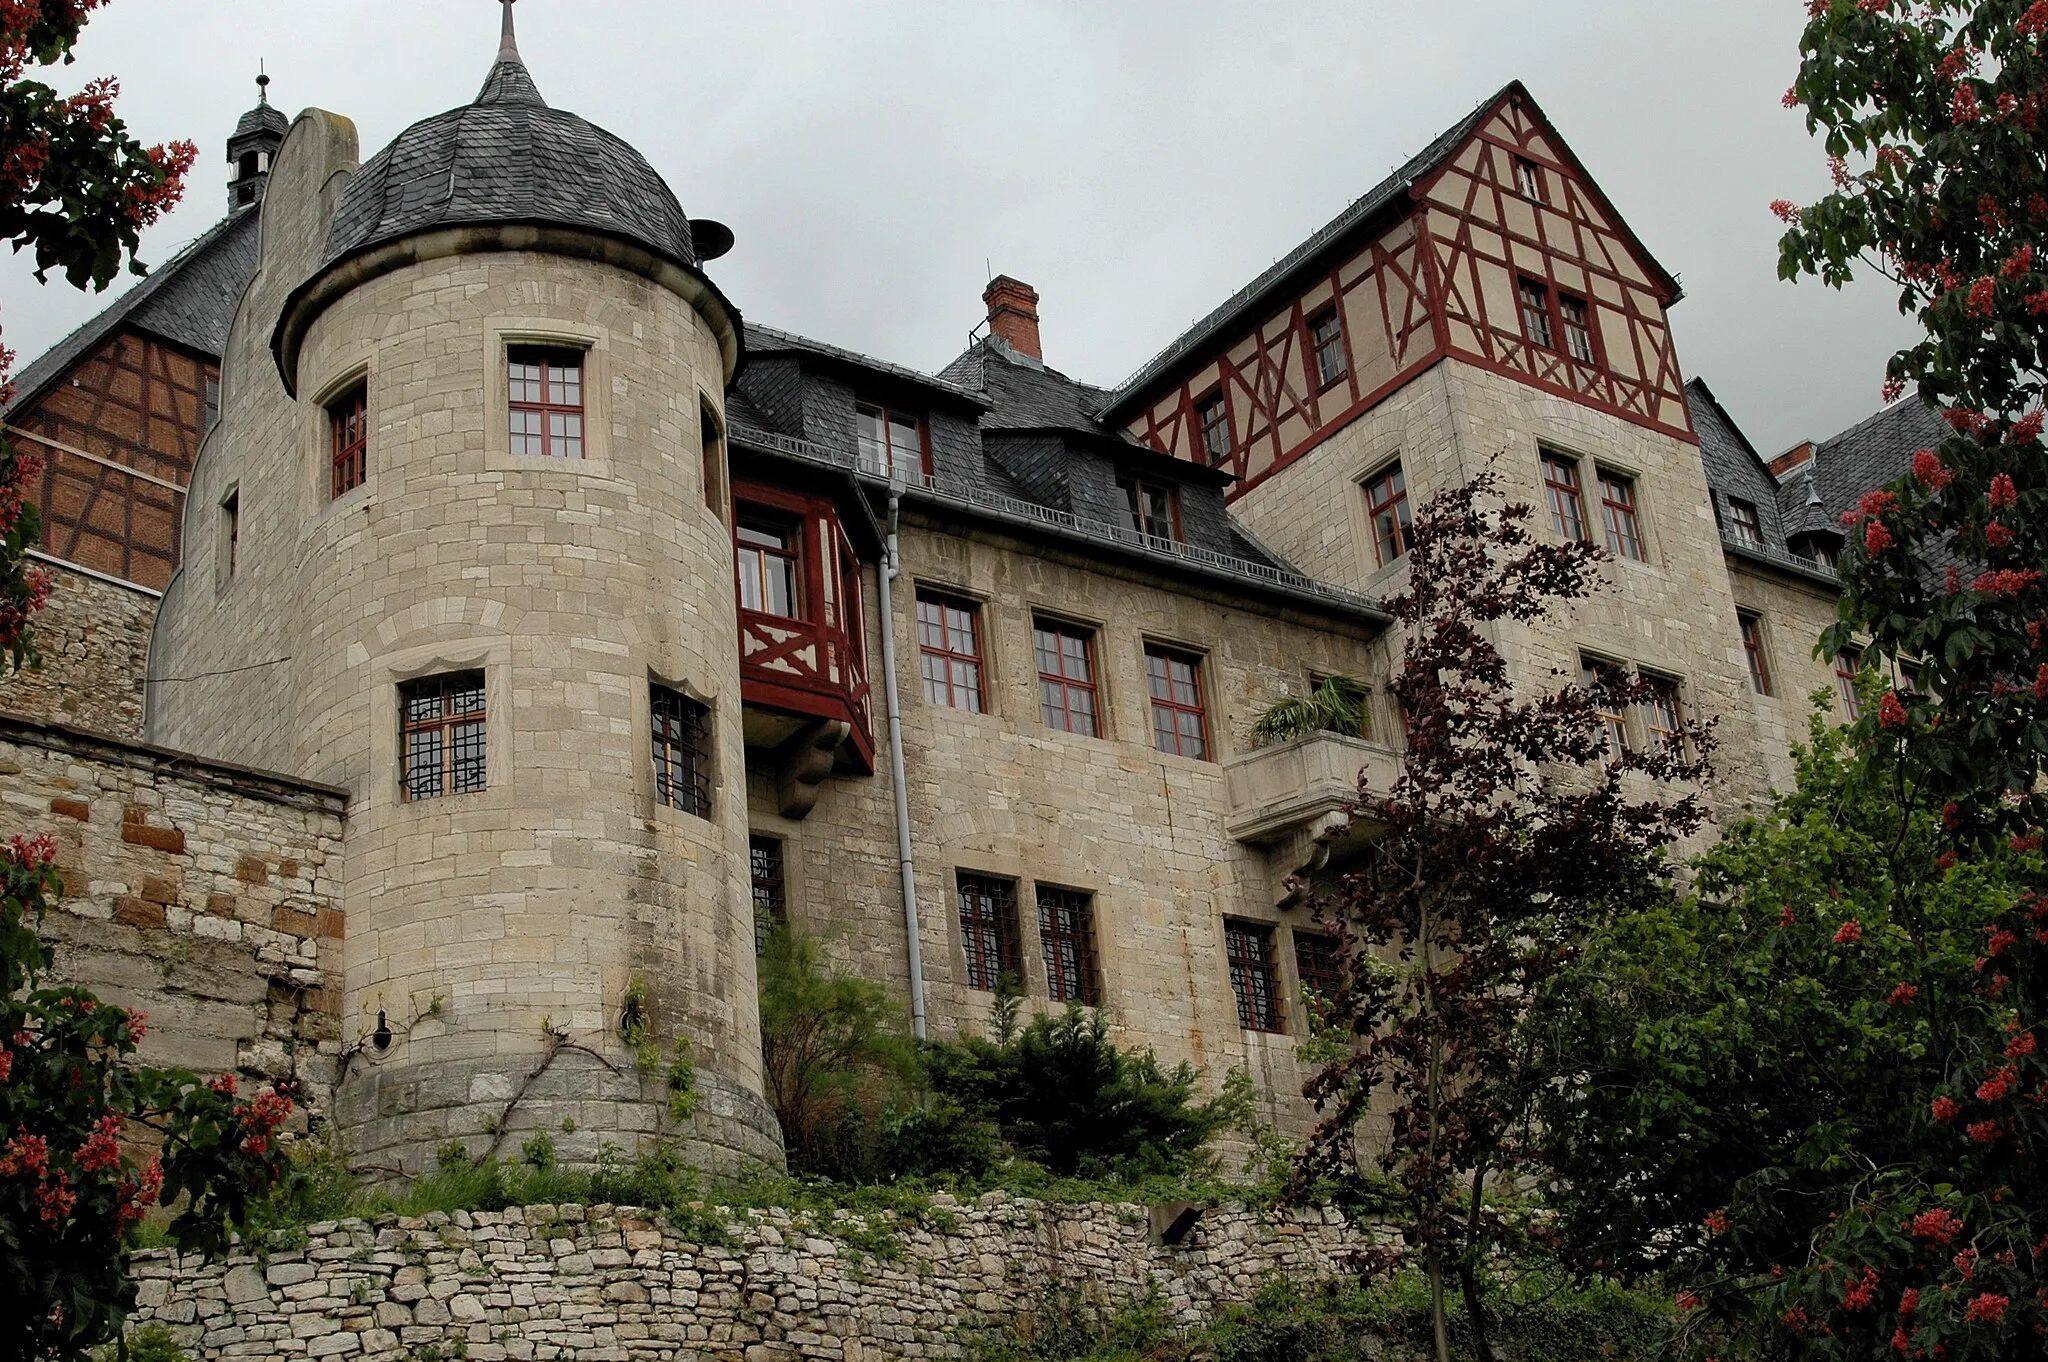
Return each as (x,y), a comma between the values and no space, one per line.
(508,42)
(262,83)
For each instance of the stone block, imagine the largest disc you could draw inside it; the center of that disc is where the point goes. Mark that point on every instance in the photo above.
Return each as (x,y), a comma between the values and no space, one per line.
(244,1284)
(71,808)
(251,870)
(170,840)
(134,912)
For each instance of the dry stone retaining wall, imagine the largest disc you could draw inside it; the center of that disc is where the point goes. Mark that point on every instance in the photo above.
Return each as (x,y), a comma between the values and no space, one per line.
(612,1284)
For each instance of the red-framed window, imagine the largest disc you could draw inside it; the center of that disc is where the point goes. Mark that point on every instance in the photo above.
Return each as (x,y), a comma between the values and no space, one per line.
(1529,180)
(892,440)
(988,929)
(348,431)
(770,888)
(1747,528)
(1618,506)
(769,558)
(443,735)
(1578,327)
(545,384)
(1596,676)
(1066,677)
(1317,964)
(1752,627)
(1249,948)
(1386,505)
(1212,415)
(682,750)
(949,651)
(1180,725)
(1066,933)
(1152,508)
(1536,313)
(1848,663)
(1326,338)
(1661,713)
(1567,502)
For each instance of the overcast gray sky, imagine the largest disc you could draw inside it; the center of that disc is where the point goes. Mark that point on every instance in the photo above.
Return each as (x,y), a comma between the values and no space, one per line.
(1134,160)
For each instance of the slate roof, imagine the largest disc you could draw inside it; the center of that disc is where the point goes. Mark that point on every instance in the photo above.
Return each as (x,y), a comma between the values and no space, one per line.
(189,300)
(1734,468)
(262,119)
(767,340)
(1870,454)
(509,158)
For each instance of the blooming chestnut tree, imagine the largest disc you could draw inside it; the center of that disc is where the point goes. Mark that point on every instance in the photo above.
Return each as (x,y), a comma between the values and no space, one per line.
(78,190)
(1932,113)
(1514,828)
(90,1140)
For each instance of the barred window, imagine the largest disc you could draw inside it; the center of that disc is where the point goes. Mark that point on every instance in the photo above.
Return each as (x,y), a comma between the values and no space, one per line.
(348,432)
(1066,931)
(682,750)
(988,929)
(771,905)
(546,401)
(1252,977)
(444,735)
(1317,964)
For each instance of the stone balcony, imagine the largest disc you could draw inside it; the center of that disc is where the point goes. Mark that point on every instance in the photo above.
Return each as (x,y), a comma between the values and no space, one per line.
(1296,799)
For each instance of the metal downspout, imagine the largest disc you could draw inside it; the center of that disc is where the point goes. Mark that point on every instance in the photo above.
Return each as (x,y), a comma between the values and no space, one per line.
(891,569)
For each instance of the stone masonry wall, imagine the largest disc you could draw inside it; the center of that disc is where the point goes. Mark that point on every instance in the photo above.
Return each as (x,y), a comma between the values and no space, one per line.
(202,894)
(94,638)
(609,1284)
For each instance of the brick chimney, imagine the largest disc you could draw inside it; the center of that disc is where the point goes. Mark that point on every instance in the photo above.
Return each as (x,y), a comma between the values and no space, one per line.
(1013,314)
(1792,458)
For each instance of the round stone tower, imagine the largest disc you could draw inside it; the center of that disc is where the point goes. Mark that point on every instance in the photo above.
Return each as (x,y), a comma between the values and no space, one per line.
(485,532)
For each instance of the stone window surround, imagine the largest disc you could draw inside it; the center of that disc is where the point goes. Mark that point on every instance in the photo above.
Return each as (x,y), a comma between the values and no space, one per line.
(227,538)
(490,655)
(1589,500)
(1099,672)
(643,741)
(1211,707)
(500,334)
(319,437)
(1639,735)
(1017,869)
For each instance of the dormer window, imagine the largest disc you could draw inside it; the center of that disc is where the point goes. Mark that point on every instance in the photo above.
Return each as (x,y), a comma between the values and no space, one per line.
(1152,508)
(546,392)
(1212,414)
(892,441)
(1743,525)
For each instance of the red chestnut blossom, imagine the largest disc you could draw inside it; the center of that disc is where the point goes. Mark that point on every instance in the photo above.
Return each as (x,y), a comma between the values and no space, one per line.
(1928,469)
(1686,1300)
(1903,994)
(1997,939)
(1984,1132)
(1795,1319)
(1850,931)
(2005,581)
(2020,1046)
(2018,263)
(2027,428)
(1786,917)
(1946,1109)
(1910,1300)
(1717,1222)
(1938,1226)
(1986,1309)
(2035,20)
(2003,494)
(2001,1082)
(1894,388)
(1786,210)
(1890,713)
(1861,1294)
(1963,109)
(1997,536)
(1983,297)
(1876,538)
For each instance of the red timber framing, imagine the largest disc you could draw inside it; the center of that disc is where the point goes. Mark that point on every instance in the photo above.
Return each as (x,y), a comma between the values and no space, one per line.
(816,663)
(117,435)
(1442,281)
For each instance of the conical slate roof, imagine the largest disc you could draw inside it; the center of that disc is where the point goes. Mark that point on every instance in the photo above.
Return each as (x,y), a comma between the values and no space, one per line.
(509,158)
(262,119)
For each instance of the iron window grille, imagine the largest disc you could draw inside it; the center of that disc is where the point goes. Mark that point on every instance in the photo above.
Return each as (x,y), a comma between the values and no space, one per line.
(1253,979)
(443,735)
(892,440)
(682,750)
(1066,677)
(949,648)
(348,429)
(1317,964)
(1578,327)
(1179,724)
(1536,314)
(1066,932)
(1153,508)
(766,557)
(1212,413)
(1326,335)
(988,929)
(771,904)
(1748,528)
(1597,677)
(1567,502)
(1618,503)
(546,390)
(1386,505)
(1752,627)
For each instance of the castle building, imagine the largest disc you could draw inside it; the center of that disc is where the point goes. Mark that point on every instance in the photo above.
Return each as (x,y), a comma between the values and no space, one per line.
(526,632)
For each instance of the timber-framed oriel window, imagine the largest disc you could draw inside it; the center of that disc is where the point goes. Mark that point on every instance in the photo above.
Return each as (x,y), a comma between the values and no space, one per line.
(1180,724)
(769,558)
(949,650)
(442,719)
(1067,697)
(348,438)
(545,397)
(1386,506)
(681,729)
(1567,500)
(1152,508)
(988,929)
(1066,934)
(1248,946)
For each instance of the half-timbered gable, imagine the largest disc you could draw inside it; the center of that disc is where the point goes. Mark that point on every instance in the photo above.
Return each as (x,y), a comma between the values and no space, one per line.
(1492,245)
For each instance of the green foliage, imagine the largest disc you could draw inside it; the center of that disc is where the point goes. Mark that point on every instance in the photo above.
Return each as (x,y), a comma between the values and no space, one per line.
(1751,1074)
(70,1200)
(155,1344)
(1338,704)
(538,1153)
(682,1083)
